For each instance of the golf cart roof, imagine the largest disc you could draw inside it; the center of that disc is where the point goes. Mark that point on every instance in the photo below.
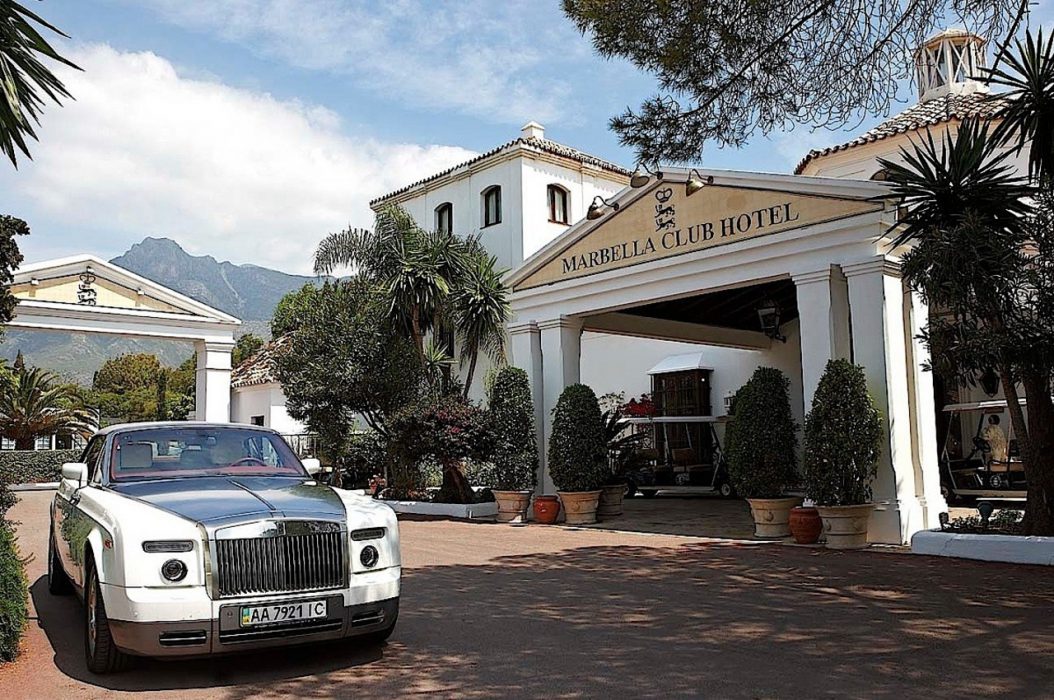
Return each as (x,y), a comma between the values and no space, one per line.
(977,405)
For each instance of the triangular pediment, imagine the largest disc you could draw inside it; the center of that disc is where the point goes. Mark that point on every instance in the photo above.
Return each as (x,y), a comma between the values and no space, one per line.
(86,281)
(662,220)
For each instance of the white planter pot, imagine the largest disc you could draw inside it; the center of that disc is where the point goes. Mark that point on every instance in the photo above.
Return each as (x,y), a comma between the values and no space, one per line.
(512,506)
(845,527)
(772,516)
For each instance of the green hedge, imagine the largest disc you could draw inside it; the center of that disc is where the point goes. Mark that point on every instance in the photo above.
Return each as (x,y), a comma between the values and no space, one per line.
(33,466)
(13,594)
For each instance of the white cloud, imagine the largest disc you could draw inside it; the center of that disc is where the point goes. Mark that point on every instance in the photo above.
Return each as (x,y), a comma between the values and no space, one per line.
(496,60)
(229,172)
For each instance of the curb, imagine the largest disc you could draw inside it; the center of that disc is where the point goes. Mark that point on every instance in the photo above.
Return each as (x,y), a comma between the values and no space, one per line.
(44,486)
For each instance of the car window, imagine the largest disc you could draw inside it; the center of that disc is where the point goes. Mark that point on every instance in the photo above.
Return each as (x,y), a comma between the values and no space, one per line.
(197,451)
(92,457)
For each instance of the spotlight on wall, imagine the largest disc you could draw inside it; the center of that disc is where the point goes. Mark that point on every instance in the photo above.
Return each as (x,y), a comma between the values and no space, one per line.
(769,313)
(642,174)
(34,282)
(696,182)
(596,209)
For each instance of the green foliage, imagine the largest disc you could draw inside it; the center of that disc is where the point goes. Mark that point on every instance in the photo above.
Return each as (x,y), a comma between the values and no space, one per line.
(34,466)
(34,403)
(762,438)
(10,258)
(291,310)
(843,438)
(245,347)
(515,454)
(24,79)
(577,448)
(136,387)
(14,594)
(729,69)
(347,360)
(481,307)
(364,453)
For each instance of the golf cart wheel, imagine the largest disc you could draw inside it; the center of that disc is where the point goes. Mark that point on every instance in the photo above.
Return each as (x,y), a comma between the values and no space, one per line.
(649,493)
(631,489)
(725,490)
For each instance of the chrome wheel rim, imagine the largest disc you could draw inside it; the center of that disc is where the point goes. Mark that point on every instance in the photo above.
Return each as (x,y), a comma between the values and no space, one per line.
(92,615)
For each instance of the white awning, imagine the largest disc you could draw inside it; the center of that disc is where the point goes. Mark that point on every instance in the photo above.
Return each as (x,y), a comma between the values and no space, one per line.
(680,363)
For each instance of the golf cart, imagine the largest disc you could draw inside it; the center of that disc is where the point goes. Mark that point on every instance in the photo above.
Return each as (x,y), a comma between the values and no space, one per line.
(682,454)
(979,460)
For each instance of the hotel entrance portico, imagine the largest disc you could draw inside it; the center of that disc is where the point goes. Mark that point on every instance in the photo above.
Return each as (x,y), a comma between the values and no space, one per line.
(701,262)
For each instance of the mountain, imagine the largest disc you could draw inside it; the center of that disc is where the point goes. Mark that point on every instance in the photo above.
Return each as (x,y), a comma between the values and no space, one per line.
(248,292)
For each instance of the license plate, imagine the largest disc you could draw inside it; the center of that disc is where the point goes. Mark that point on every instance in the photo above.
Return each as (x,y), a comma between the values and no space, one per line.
(282,612)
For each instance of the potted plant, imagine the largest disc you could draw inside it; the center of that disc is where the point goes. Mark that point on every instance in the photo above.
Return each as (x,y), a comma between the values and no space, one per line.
(578,454)
(613,490)
(515,455)
(760,447)
(843,434)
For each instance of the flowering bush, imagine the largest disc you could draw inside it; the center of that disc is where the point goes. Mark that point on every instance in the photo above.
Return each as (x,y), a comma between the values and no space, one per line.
(642,407)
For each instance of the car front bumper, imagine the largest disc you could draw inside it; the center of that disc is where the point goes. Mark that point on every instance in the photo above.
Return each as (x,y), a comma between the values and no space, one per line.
(186,622)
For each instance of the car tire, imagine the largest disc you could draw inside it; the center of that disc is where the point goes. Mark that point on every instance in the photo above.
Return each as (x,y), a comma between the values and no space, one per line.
(725,490)
(649,493)
(100,653)
(58,581)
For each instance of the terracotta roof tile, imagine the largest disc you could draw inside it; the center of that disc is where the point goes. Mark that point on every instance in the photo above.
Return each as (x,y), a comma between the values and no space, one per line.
(543,145)
(260,368)
(924,114)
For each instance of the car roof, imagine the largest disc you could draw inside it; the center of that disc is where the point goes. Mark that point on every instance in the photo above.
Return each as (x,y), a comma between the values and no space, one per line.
(175,425)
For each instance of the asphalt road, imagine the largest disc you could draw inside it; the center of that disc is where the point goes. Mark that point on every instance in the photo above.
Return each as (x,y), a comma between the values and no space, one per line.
(501,611)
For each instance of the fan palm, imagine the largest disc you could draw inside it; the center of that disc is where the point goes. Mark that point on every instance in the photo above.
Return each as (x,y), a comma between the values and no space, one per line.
(22,75)
(481,310)
(1027,110)
(33,403)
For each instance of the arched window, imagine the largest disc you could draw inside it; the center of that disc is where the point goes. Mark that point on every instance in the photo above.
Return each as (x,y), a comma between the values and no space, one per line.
(559,205)
(881,176)
(445,217)
(492,206)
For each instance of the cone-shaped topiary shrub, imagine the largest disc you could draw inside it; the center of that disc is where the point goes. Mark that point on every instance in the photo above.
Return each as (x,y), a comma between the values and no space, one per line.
(577,452)
(843,438)
(762,437)
(515,454)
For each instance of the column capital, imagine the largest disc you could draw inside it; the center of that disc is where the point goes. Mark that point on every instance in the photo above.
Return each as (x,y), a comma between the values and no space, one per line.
(569,322)
(880,265)
(813,277)
(522,327)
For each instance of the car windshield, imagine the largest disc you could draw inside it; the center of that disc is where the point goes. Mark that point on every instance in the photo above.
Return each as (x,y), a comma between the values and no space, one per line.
(167,453)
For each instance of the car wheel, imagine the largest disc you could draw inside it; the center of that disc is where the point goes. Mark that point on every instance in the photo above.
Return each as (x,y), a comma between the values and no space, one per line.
(58,581)
(100,653)
(648,493)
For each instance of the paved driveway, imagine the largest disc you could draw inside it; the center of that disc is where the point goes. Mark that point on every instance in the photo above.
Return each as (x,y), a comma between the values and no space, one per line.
(492,610)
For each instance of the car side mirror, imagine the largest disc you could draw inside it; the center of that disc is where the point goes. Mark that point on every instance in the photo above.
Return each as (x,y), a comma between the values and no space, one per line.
(77,472)
(312,465)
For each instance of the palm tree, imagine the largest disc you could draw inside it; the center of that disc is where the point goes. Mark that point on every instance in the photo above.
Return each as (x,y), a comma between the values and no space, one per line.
(1027,110)
(33,403)
(481,310)
(22,75)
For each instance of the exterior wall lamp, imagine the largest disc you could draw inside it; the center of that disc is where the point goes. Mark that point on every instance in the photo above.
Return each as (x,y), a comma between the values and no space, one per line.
(642,174)
(696,182)
(989,381)
(769,313)
(596,209)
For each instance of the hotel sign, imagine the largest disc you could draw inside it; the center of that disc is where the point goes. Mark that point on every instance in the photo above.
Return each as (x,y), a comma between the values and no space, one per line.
(666,222)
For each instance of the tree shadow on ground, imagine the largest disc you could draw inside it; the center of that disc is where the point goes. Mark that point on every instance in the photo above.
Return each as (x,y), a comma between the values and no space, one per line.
(719,620)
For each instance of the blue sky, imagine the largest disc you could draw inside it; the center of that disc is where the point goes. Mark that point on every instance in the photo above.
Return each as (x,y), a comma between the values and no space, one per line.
(248,129)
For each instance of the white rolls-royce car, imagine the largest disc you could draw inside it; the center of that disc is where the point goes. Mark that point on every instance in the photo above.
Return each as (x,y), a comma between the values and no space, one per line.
(196,539)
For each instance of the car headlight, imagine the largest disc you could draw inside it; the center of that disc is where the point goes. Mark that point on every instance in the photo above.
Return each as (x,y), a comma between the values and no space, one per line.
(174,570)
(369,556)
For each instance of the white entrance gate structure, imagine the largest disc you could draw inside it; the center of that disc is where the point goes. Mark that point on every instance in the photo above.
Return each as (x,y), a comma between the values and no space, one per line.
(85,294)
(692,259)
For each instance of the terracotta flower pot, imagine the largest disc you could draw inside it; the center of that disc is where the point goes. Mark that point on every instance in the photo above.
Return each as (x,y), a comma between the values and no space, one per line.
(512,506)
(580,507)
(772,516)
(610,505)
(845,527)
(805,525)
(546,509)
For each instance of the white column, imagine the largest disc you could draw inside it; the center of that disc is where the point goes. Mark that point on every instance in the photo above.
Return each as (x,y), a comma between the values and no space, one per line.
(526,346)
(823,317)
(927,457)
(876,302)
(213,382)
(561,342)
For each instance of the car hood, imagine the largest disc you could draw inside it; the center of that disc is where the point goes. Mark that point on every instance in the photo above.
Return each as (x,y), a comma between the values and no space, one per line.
(211,499)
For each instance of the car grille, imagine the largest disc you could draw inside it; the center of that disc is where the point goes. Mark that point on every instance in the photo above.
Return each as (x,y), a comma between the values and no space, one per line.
(282,564)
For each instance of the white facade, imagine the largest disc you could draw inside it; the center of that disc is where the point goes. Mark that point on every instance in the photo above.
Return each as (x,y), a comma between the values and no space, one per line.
(263,404)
